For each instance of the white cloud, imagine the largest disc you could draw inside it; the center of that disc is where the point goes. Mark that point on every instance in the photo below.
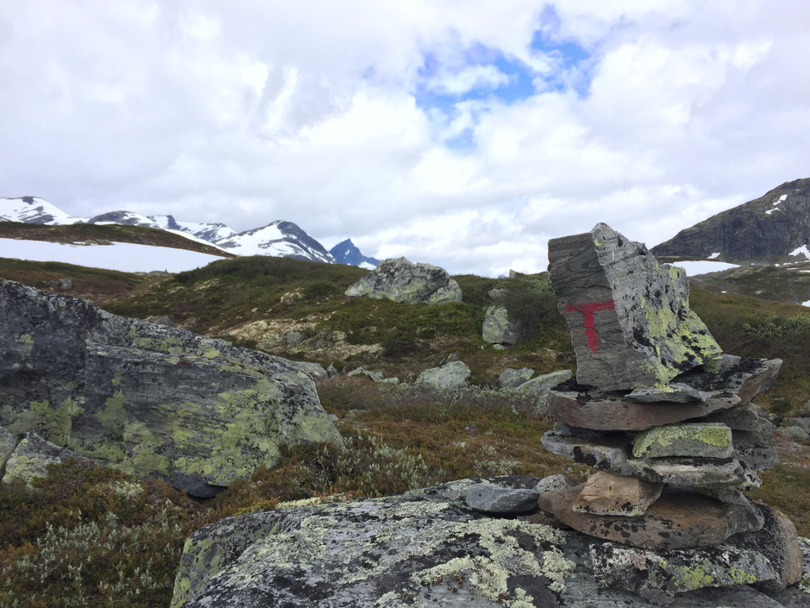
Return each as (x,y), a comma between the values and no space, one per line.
(249,112)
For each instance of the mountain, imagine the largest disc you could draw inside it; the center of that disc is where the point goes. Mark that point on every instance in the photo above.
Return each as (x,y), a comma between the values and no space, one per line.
(280,239)
(776,224)
(33,210)
(347,252)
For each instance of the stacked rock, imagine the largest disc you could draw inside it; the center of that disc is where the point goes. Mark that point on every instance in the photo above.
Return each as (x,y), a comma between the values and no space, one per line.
(665,418)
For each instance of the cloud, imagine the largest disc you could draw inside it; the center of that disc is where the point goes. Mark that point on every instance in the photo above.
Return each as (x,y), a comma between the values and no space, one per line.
(461,134)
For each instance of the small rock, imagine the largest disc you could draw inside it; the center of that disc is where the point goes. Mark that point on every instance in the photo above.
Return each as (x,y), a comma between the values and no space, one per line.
(402,281)
(32,456)
(504,501)
(364,373)
(676,520)
(332,371)
(554,482)
(293,338)
(802,423)
(698,440)
(164,320)
(513,378)
(793,432)
(608,494)
(658,575)
(451,376)
(65,284)
(540,386)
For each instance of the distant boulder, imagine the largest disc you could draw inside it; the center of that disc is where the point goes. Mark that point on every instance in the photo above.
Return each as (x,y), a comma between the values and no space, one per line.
(452,376)
(402,281)
(149,399)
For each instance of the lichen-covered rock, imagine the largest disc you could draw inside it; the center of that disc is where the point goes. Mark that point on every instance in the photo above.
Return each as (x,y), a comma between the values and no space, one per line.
(541,385)
(507,501)
(450,376)
(402,281)
(675,392)
(149,399)
(8,441)
(629,315)
(498,329)
(315,370)
(424,548)
(659,575)
(31,456)
(513,378)
(699,440)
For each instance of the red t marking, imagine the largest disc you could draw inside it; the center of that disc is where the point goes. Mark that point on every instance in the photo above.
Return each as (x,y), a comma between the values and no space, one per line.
(589,320)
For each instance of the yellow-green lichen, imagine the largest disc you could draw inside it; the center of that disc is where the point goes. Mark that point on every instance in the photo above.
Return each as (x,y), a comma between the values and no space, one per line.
(693,577)
(114,414)
(26,344)
(659,438)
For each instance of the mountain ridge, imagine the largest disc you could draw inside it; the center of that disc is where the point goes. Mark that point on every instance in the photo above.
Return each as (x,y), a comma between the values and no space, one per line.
(347,252)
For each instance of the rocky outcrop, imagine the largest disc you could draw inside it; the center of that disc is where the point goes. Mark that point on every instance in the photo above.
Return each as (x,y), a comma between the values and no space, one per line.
(775,224)
(629,315)
(402,281)
(148,399)
(429,548)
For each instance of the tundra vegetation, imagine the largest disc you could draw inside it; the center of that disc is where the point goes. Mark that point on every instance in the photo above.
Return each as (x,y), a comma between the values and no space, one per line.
(90,536)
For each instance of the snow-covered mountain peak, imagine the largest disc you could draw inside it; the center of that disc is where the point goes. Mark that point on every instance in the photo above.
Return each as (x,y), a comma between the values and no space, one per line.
(347,252)
(280,238)
(211,232)
(33,210)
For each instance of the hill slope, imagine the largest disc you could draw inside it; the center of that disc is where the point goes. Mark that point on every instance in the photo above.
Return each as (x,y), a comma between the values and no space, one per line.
(776,224)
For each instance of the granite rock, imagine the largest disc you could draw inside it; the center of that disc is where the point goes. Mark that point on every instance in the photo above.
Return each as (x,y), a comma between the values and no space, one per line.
(513,378)
(450,376)
(498,329)
(608,494)
(676,520)
(698,440)
(402,281)
(629,315)
(554,482)
(506,501)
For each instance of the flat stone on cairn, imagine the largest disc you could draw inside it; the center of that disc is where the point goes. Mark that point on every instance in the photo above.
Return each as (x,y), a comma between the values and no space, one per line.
(666,420)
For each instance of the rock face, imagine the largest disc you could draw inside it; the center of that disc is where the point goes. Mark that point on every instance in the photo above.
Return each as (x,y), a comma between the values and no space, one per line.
(148,399)
(401,281)
(428,548)
(629,316)
(777,223)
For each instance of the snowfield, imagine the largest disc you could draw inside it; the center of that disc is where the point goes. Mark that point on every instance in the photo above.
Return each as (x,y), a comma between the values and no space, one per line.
(703,267)
(125,257)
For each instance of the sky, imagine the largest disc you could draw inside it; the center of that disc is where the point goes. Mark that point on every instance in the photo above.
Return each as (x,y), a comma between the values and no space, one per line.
(460,133)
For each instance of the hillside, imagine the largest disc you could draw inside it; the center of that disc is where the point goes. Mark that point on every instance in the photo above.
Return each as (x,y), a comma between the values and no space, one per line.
(776,224)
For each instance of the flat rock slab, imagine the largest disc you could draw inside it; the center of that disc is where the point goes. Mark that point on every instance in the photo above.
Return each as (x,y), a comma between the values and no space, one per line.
(676,520)
(629,315)
(699,440)
(659,575)
(611,453)
(675,392)
(739,418)
(423,548)
(506,501)
(599,412)
(743,376)
(403,281)
(608,494)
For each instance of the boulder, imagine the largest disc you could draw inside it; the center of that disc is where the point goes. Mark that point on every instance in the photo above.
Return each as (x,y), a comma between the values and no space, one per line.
(659,575)
(629,315)
(315,370)
(699,440)
(513,378)
(676,520)
(149,399)
(505,501)
(541,385)
(450,376)
(31,457)
(608,494)
(424,548)
(796,433)
(802,423)
(402,281)
(497,327)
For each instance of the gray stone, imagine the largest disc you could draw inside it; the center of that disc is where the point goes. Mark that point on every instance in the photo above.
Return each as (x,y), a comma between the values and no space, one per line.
(293,338)
(698,440)
(149,399)
(401,281)
(540,386)
(611,453)
(31,457)
(365,373)
(795,433)
(65,284)
(315,370)
(676,392)
(659,575)
(755,449)
(554,482)
(497,327)
(513,378)
(629,316)
(740,418)
(802,423)
(450,376)
(421,548)
(505,501)
(164,320)
(332,371)
(743,376)
(8,441)
(608,494)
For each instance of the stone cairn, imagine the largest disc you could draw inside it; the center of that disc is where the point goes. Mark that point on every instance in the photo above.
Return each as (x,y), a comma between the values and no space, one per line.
(665,419)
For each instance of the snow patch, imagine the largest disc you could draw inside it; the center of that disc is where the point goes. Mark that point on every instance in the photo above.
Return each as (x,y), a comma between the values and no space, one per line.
(367,266)
(696,268)
(806,303)
(782,198)
(803,250)
(124,257)
(714,255)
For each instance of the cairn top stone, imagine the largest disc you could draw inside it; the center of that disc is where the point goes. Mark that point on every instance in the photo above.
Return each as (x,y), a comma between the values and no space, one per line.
(629,316)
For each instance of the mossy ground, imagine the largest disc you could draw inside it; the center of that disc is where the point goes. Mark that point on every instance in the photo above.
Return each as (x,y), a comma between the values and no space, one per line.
(396,439)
